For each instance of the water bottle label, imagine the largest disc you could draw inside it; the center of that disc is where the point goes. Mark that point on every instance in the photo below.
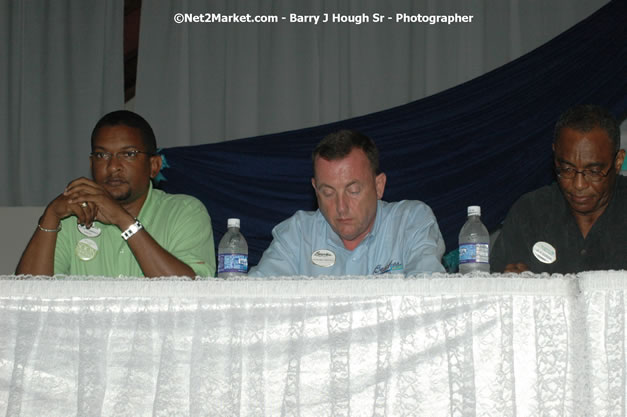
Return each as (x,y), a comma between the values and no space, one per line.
(474,253)
(233,262)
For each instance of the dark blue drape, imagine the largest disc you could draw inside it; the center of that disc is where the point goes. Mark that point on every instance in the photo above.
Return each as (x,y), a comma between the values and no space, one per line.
(484,142)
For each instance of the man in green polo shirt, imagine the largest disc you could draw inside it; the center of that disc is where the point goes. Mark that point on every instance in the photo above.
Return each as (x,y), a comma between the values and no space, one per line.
(116,224)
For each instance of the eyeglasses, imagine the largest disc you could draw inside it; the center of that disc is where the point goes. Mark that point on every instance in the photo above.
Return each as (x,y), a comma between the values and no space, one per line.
(128,156)
(591,175)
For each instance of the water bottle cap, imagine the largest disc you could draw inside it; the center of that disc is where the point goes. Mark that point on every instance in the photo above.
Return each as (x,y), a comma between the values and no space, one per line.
(232,223)
(474,210)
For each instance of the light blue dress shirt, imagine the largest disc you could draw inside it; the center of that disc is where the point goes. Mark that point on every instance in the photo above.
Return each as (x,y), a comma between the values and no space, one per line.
(405,239)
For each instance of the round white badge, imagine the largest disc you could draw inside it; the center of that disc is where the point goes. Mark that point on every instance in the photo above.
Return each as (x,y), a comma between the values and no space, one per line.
(323,258)
(86,249)
(544,252)
(93,231)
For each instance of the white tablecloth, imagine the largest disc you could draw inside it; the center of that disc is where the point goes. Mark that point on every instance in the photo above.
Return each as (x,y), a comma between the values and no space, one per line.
(359,346)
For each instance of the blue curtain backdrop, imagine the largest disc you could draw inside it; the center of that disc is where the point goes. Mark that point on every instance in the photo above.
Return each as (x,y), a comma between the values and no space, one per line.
(484,142)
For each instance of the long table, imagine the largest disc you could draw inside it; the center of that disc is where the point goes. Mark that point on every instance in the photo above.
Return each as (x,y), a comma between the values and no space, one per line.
(436,345)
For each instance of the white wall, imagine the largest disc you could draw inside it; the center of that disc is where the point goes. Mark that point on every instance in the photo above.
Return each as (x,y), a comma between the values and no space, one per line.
(18,225)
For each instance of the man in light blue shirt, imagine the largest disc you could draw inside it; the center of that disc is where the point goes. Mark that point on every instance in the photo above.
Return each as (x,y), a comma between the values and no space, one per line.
(353,232)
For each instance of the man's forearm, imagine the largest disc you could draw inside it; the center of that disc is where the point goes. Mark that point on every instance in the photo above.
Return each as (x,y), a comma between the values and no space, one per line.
(38,257)
(154,260)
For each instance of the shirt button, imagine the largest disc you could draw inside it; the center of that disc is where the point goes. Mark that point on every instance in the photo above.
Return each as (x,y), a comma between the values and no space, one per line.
(583,252)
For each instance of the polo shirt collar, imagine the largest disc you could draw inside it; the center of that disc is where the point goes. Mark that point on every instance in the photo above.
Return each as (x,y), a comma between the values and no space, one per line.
(145,210)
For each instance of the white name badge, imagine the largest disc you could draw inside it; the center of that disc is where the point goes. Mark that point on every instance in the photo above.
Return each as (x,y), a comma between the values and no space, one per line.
(86,249)
(544,252)
(93,231)
(322,257)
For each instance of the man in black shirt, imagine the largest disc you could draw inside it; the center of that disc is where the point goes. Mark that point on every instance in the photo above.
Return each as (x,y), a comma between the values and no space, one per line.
(580,223)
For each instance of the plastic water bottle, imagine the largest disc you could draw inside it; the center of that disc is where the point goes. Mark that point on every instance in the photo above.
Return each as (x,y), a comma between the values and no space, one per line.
(474,244)
(232,252)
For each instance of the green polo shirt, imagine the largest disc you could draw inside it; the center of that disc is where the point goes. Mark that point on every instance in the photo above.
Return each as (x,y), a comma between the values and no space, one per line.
(178,222)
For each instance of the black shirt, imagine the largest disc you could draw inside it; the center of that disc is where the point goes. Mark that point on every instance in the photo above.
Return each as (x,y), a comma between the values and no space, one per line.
(544,215)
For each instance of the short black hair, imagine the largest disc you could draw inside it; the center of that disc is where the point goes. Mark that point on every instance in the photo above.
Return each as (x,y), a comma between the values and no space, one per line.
(586,117)
(130,119)
(338,145)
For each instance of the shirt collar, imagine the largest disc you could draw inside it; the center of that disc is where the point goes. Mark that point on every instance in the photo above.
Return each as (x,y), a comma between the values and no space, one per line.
(146,202)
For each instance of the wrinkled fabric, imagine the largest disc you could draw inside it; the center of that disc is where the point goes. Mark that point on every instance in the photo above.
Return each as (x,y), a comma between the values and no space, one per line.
(438,345)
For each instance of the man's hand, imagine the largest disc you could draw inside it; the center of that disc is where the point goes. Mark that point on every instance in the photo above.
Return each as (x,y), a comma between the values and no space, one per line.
(104,207)
(516,268)
(62,207)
